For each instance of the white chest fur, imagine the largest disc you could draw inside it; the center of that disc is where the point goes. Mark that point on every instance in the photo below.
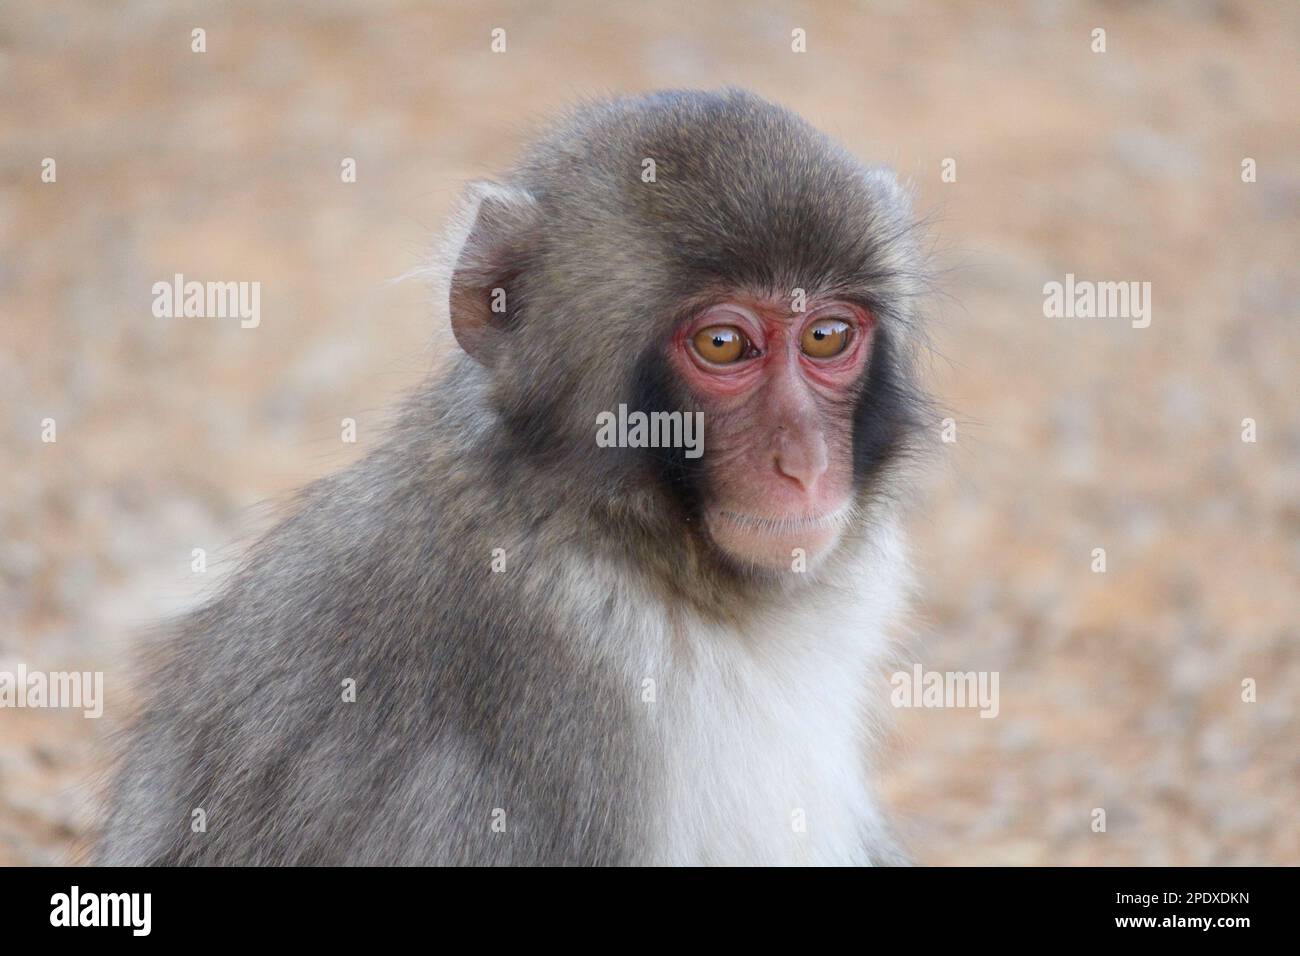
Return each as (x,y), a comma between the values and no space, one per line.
(763,734)
(757,739)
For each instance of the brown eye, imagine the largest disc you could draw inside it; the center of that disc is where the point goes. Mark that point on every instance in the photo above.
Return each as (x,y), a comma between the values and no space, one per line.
(720,344)
(825,338)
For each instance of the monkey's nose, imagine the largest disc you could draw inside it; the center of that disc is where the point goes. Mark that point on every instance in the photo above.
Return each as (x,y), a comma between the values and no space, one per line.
(804,460)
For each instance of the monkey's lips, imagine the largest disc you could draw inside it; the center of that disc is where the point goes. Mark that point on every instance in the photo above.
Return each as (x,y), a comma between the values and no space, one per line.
(776,542)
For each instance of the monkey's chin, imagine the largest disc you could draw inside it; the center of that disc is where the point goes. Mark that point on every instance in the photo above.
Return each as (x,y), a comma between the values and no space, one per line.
(775,544)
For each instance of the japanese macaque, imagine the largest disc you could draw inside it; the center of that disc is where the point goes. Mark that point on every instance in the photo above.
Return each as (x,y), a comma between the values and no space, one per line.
(496,640)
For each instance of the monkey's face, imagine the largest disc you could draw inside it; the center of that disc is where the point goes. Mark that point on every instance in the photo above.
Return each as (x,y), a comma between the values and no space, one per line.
(778,390)
(584,290)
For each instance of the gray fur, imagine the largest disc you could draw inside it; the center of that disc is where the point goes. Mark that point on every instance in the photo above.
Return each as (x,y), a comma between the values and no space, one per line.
(479,690)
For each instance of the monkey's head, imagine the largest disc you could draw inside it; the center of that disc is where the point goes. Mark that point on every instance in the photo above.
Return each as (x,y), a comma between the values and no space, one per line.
(697,252)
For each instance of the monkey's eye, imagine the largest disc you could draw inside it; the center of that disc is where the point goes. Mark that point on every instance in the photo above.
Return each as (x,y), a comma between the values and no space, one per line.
(825,338)
(721,344)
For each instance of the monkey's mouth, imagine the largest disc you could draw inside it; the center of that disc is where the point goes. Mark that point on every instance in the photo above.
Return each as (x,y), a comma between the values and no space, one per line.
(789,524)
(775,541)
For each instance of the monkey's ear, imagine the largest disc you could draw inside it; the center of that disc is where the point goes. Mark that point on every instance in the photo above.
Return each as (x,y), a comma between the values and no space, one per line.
(495,229)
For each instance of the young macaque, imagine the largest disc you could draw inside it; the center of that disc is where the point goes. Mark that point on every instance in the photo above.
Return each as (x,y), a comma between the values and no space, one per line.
(562,652)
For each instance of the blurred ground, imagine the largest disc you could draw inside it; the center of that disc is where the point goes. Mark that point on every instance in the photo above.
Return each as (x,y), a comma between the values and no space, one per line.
(1119,690)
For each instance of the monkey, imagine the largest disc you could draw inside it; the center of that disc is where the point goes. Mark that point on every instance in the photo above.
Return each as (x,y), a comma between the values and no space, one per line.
(561,652)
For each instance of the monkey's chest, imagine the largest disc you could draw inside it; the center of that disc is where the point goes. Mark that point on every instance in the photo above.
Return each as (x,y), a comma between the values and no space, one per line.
(763,757)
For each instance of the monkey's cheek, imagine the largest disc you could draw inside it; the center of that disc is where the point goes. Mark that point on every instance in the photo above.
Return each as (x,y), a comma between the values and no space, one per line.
(776,550)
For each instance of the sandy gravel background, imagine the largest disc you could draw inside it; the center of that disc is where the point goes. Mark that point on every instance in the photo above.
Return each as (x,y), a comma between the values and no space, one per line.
(1120,691)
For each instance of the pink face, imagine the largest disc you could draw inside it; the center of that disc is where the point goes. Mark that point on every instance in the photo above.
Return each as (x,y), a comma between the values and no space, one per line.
(777,389)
